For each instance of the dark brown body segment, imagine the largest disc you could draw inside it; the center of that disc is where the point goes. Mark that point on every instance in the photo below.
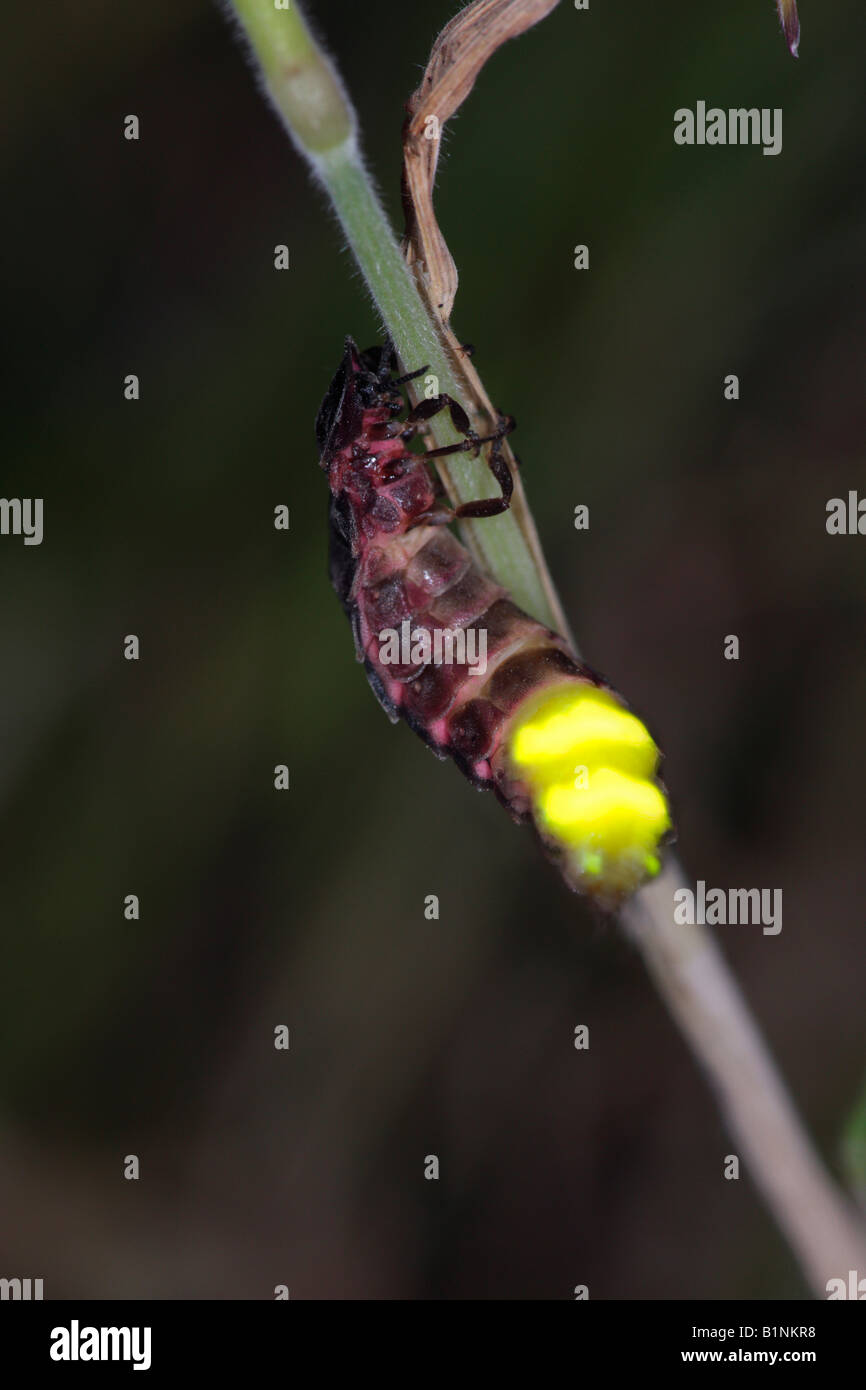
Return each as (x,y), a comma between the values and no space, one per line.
(388,567)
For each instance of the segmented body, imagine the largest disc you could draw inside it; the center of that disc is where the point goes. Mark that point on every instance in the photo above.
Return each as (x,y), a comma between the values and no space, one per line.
(391,566)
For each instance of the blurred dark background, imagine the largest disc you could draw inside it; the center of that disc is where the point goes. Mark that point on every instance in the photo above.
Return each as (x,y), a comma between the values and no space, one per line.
(411,1037)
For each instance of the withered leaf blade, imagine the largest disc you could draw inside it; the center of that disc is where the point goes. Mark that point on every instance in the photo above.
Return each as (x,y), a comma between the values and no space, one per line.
(458,55)
(790,24)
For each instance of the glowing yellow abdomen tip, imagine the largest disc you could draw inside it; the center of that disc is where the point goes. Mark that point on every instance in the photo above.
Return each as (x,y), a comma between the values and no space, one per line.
(590,765)
(582,719)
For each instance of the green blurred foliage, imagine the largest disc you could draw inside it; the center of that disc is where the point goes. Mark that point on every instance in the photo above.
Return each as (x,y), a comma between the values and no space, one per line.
(854,1147)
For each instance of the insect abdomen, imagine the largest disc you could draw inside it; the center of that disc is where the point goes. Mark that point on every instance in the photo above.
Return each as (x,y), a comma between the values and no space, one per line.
(438,589)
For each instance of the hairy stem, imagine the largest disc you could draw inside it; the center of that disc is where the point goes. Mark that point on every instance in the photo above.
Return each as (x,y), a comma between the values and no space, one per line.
(821,1224)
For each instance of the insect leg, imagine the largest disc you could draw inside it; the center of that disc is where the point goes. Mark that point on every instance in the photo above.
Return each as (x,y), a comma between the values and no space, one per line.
(426,409)
(408,376)
(499,467)
(483,506)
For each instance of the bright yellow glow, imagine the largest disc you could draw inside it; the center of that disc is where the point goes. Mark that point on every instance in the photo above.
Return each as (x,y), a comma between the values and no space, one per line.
(613,810)
(590,764)
(582,718)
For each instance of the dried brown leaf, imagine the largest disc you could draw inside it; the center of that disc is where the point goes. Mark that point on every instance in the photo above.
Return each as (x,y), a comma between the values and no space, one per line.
(458,55)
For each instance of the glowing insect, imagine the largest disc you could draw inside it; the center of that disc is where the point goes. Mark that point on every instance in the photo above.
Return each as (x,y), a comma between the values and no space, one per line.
(547,734)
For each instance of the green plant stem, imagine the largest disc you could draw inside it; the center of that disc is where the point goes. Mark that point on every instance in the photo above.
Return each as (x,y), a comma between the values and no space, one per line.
(311,101)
